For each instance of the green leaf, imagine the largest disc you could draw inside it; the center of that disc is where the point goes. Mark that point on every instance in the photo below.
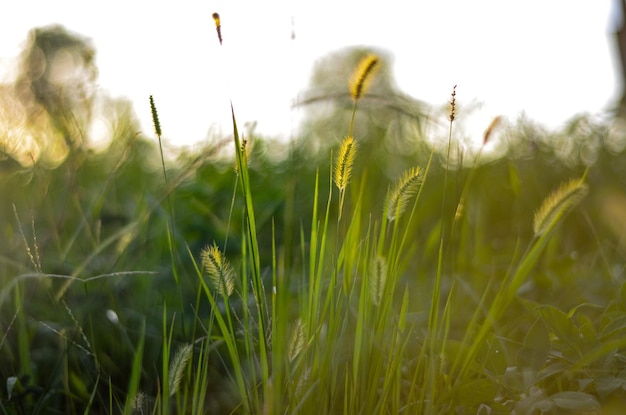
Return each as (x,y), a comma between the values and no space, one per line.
(608,384)
(566,332)
(536,347)
(493,356)
(576,401)
(478,391)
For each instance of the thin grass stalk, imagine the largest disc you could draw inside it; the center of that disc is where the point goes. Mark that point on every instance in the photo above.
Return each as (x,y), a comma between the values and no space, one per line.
(257,282)
(201,379)
(312,292)
(135,374)
(347,253)
(279,329)
(171,226)
(229,338)
(165,350)
(319,316)
(460,210)
(361,342)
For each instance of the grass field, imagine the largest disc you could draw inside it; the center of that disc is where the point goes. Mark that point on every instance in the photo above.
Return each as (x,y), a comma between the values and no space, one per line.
(354,279)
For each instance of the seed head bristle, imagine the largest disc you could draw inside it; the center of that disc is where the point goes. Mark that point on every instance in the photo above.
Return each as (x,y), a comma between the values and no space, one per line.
(296,340)
(344,162)
(177,367)
(378,279)
(218,269)
(155,117)
(363,75)
(453,104)
(492,126)
(558,204)
(138,401)
(218,26)
(403,190)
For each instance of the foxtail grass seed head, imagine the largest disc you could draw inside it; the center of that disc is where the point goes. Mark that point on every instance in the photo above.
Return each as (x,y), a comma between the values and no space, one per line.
(363,75)
(218,269)
(492,126)
(460,209)
(177,367)
(296,340)
(344,162)
(138,401)
(453,104)
(218,26)
(245,148)
(155,117)
(403,190)
(558,204)
(378,279)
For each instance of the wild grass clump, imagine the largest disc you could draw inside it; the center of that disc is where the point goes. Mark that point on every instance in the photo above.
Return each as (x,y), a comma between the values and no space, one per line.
(432,291)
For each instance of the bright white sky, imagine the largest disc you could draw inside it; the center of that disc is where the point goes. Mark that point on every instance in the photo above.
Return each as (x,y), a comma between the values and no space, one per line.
(549,59)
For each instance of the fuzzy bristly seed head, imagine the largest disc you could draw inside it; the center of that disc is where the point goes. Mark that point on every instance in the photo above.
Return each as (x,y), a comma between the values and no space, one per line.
(344,162)
(403,190)
(155,117)
(178,365)
(218,26)
(363,75)
(218,269)
(492,126)
(296,340)
(377,279)
(453,104)
(558,204)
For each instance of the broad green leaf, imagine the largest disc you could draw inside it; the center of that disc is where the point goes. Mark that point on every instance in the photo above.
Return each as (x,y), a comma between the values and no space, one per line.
(608,384)
(536,347)
(576,401)
(478,391)
(493,356)
(567,334)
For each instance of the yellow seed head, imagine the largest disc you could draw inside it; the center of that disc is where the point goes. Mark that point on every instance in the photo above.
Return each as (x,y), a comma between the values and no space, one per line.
(344,162)
(218,269)
(494,123)
(558,204)
(218,26)
(403,190)
(363,75)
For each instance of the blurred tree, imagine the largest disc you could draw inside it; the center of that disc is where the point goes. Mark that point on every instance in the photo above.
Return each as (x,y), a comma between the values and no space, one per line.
(57,76)
(388,122)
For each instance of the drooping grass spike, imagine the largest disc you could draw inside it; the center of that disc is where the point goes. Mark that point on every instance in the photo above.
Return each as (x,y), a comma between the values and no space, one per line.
(218,26)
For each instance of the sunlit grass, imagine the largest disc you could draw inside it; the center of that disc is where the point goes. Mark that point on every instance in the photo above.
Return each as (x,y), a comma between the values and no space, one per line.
(377,295)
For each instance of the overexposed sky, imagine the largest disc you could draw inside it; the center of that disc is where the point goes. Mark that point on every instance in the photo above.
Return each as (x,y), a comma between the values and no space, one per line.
(549,59)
